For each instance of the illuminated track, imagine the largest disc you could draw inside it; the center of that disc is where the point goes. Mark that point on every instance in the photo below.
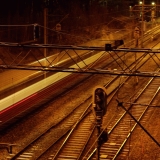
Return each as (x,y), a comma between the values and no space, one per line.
(37,90)
(141,64)
(34,93)
(126,121)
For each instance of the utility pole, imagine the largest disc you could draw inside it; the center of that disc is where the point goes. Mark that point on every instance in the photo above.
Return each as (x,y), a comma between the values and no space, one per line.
(45,30)
(142,25)
(157,3)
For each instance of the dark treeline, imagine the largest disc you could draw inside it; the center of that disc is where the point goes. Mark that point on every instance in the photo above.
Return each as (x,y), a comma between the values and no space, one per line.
(74,15)
(34,8)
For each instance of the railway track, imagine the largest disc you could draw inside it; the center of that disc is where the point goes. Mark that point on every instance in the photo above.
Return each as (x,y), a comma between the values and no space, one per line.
(29,152)
(121,128)
(76,141)
(57,131)
(64,61)
(60,59)
(46,95)
(69,150)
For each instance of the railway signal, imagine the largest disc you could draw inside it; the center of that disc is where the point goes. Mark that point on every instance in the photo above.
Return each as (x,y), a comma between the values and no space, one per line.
(136,32)
(100,101)
(36,31)
(137,36)
(58,27)
(100,108)
(108,47)
(117,43)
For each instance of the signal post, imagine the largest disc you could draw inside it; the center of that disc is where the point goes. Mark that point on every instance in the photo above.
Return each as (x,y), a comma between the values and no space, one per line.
(99,108)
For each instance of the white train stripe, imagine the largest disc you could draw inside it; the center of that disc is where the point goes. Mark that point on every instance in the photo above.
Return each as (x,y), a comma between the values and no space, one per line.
(18,96)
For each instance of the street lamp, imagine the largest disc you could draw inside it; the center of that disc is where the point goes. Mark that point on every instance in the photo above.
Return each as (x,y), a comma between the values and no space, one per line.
(153,3)
(153,12)
(130,10)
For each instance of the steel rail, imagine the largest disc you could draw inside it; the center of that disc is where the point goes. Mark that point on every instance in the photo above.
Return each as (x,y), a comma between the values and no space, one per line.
(120,85)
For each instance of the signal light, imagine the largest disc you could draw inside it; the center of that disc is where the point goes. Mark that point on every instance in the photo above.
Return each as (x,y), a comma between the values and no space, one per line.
(36,31)
(100,101)
(118,43)
(108,47)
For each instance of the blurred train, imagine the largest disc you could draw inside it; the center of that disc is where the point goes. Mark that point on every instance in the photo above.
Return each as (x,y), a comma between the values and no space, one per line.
(16,103)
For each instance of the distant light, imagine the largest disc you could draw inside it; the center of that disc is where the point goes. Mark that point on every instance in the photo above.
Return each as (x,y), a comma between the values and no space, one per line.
(140,2)
(153,3)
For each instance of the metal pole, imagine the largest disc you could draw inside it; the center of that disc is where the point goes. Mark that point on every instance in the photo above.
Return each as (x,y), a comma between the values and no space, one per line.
(142,25)
(98,145)
(45,28)
(99,116)
(45,33)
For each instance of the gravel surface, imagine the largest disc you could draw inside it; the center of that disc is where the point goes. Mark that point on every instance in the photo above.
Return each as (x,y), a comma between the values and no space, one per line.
(35,124)
(38,122)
